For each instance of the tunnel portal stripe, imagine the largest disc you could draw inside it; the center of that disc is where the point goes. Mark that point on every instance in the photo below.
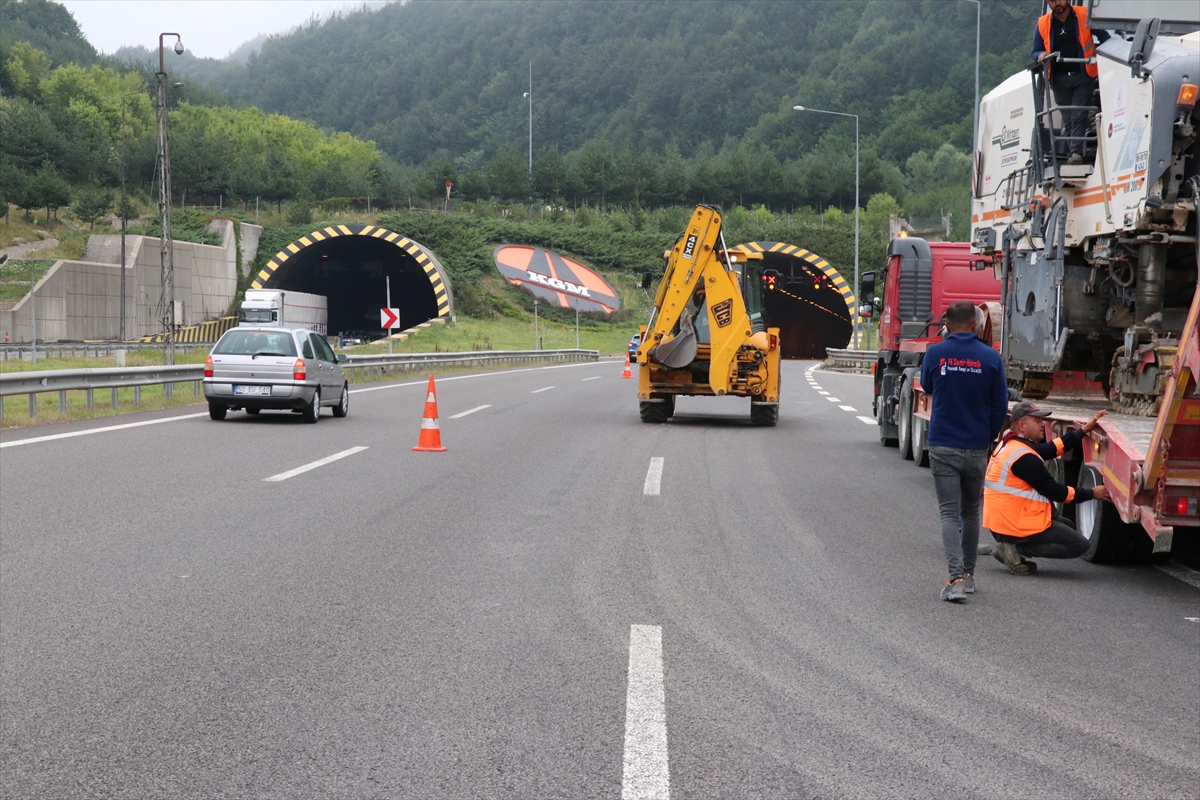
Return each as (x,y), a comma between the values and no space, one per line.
(814,260)
(345,230)
(304,240)
(778,246)
(293,248)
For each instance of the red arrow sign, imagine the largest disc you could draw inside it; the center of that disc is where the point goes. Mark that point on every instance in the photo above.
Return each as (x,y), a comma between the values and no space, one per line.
(389,318)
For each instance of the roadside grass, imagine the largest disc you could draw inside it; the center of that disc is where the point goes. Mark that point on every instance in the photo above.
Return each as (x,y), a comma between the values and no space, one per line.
(506,333)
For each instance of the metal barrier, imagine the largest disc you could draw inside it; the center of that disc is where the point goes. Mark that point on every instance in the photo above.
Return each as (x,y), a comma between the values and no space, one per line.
(357,368)
(852,360)
(22,352)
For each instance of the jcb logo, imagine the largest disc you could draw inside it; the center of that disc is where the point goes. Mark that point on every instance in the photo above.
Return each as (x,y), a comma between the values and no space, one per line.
(723,313)
(689,247)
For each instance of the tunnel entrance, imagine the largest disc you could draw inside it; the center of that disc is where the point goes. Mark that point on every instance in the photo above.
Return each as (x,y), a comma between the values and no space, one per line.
(812,305)
(351,266)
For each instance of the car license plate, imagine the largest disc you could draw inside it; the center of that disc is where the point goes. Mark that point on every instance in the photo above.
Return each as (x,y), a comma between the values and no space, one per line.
(252,390)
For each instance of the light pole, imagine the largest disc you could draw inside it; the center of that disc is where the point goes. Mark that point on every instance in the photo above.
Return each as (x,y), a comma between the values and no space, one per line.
(529,94)
(123,214)
(166,248)
(856,321)
(975,108)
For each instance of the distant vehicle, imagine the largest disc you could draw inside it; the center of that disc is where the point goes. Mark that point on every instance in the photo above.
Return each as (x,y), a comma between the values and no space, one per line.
(285,309)
(633,345)
(274,368)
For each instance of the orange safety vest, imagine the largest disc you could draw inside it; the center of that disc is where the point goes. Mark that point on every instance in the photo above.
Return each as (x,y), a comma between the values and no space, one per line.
(1086,45)
(1010,505)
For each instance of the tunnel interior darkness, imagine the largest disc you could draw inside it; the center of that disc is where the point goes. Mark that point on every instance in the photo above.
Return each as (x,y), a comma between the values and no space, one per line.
(352,272)
(809,311)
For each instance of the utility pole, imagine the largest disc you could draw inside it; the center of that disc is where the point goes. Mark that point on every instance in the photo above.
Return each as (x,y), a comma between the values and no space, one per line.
(123,210)
(529,95)
(975,109)
(166,251)
(32,315)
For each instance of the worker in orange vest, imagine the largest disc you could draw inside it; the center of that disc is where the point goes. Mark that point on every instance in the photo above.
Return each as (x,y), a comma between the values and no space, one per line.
(1064,30)
(1018,492)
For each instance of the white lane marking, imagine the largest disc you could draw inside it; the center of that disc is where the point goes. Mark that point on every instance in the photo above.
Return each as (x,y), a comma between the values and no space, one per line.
(425,382)
(1181,572)
(653,476)
(543,389)
(291,473)
(822,392)
(469,411)
(646,774)
(848,408)
(834,399)
(594,378)
(1192,619)
(868,420)
(105,429)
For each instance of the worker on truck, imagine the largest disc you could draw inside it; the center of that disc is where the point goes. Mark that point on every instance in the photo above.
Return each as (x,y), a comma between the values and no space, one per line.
(1063,30)
(1018,492)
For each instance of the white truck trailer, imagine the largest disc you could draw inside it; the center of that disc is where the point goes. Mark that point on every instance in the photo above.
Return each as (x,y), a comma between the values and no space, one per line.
(285,309)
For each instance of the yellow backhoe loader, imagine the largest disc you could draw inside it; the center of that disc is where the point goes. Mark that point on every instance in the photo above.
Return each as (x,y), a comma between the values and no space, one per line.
(706,335)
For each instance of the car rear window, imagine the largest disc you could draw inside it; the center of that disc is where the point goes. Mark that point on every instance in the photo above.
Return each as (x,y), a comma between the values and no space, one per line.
(249,343)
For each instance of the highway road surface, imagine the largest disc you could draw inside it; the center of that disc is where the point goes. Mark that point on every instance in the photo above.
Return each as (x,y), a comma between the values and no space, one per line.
(567,603)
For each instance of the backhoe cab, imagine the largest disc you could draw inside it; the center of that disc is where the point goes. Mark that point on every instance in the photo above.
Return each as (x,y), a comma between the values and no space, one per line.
(706,335)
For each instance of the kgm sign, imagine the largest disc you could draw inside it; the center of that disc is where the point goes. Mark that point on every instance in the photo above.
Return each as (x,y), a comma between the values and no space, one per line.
(556,278)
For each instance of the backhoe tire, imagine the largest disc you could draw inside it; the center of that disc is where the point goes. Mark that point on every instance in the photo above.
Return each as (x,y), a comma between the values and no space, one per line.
(904,421)
(654,410)
(1110,540)
(764,414)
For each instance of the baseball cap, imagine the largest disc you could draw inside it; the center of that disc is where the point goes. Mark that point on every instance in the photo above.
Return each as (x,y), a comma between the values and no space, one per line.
(1026,408)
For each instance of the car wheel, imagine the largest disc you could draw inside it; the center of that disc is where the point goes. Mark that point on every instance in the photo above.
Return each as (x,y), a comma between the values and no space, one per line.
(343,406)
(253,411)
(312,412)
(216,411)
(904,421)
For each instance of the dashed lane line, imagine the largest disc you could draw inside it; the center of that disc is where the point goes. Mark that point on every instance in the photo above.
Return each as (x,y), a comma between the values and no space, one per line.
(593,378)
(1185,574)
(868,420)
(543,389)
(462,414)
(653,477)
(823,392)
(834,399)
(645,772)
(848,408)
(291,473)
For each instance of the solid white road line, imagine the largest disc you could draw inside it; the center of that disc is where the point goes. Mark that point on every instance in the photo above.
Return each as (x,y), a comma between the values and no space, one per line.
(594,378)
(543,389)
(646,774)
(848,408)
(868,420)
(653,476)
(1185,574)
(469,411)
(105,429)
(291,473)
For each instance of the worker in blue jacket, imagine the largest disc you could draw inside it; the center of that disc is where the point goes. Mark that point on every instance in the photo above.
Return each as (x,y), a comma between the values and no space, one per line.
(966,383)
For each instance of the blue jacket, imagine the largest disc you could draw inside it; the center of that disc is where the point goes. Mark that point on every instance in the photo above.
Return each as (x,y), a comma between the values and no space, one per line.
(970,392)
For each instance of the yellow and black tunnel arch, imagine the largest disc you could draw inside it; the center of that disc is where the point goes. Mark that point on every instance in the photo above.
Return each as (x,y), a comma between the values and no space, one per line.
(812,306)
(352,265)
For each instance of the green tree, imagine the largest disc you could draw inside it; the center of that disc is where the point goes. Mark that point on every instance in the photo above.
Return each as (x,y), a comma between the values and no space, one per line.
(25,70)
(92,204)
(508,175)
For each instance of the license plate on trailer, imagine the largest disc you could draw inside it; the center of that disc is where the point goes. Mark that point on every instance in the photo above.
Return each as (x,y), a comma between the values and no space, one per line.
(252,390)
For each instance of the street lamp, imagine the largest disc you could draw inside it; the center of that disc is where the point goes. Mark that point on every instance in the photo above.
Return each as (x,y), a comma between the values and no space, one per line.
(856,320)
(166,252)
(975,108)
(529,94)
(123,208)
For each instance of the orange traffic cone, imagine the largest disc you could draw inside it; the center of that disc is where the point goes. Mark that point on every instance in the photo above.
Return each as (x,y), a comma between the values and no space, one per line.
(431,436)
(627,373)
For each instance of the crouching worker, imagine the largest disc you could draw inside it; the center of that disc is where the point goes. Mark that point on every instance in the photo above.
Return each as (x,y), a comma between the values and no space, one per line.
(1018,491)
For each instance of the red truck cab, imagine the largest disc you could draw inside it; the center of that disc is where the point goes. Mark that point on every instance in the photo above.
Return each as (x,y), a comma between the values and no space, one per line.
(920,280)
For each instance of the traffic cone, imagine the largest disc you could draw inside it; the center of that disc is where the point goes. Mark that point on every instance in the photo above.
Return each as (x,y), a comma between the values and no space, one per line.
(626,373)
(431,436)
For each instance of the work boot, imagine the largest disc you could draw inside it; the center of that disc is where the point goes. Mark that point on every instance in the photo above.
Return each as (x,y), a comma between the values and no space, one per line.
(1007,555)
(952,590)
(1074,159)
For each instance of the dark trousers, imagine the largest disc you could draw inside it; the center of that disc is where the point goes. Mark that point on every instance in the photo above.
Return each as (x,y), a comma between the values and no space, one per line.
(1060,540)
(1075,89)
(958,481)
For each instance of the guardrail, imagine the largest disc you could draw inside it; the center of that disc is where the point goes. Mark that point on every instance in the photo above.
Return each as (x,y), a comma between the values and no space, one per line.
(358,367)
(22,352)
(852,360)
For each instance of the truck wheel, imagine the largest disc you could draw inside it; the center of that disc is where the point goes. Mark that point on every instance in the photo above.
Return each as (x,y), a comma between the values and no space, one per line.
(1110,540)
(343,406)
(920,441)
(1058,470)
(653,410)
(904,421)
(312,412)
(880,410)
(766,414)
(216,411)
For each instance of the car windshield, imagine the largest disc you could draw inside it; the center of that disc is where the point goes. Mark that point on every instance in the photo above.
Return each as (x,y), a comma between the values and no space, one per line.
(256,343)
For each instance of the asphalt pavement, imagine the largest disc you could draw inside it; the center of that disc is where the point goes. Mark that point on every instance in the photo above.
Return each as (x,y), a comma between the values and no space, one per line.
(565,603)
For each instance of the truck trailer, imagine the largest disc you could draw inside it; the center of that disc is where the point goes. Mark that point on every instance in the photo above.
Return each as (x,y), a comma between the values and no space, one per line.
(281,308)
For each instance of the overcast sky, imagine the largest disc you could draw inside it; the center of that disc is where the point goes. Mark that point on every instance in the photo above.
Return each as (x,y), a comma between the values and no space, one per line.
(209,28)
